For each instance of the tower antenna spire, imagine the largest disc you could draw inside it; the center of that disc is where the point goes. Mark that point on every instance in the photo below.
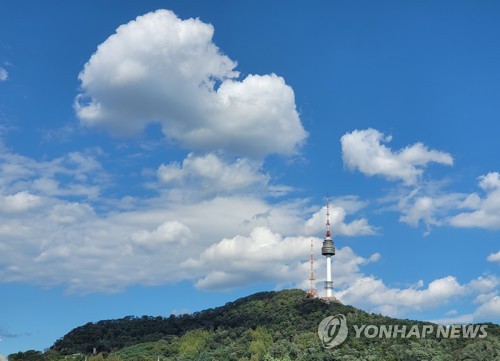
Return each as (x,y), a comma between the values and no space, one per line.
(327,217)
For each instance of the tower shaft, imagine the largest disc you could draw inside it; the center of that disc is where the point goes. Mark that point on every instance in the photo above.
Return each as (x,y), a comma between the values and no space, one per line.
(328,283)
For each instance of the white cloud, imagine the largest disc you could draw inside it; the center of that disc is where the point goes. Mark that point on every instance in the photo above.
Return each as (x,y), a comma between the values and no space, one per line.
(397,302)
(240,261)
(358,227)
(364,150)
(159,68)
(67,212)
(488,311)
(62,235)
(491,181)
(485,212)
(264,256)
(350,203)
(432,205)
(210,175)
(372,293)
(422,208)
(220,242)
(167,232)
(494,257)
(484,285)
(485,290)
(75,174)
(4,75)
(19,202)
(90,253)
(427,205)
(63,241)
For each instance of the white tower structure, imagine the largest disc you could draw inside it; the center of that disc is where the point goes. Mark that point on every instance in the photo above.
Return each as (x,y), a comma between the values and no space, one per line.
(328,250)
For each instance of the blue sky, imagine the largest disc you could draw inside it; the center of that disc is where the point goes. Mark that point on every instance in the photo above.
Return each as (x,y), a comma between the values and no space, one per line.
(162,157)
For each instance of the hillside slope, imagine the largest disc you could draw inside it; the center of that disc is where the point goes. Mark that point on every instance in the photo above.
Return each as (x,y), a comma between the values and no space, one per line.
(264,326)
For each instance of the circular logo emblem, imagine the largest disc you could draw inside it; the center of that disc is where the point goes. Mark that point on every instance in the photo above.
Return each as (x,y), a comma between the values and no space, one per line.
(332,330)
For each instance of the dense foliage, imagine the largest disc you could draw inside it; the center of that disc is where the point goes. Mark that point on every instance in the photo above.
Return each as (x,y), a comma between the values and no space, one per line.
(265,326)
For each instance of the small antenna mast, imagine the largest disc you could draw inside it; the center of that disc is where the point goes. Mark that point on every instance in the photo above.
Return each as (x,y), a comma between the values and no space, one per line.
(312,293)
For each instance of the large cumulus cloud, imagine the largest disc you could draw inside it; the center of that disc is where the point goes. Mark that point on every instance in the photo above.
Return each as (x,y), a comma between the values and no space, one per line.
(159,68)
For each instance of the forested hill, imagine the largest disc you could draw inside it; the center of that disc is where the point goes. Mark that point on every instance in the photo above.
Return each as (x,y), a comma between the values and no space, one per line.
(287,312)
(269,326)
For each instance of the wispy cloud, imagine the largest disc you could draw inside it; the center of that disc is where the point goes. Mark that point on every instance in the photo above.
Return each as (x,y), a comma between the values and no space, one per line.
(494,257)
(4,75)
(484,211)
(62,134)
(422,200)
(364,150)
